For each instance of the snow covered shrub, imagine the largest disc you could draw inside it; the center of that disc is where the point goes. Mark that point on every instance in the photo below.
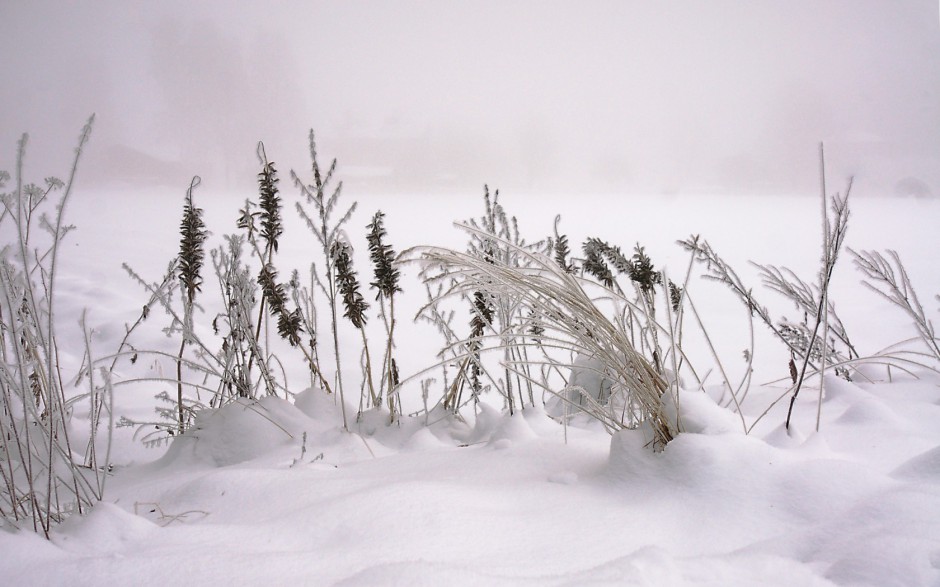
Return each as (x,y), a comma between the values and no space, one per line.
(42,479)
(821,340)
(495,238)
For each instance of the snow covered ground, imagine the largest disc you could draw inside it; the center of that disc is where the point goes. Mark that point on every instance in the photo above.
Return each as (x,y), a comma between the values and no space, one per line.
(275,492)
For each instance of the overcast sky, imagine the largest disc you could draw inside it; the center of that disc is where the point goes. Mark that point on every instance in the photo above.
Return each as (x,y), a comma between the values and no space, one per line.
(609,96)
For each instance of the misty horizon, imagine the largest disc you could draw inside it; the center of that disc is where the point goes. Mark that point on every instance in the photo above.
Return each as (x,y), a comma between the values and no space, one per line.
(444,97)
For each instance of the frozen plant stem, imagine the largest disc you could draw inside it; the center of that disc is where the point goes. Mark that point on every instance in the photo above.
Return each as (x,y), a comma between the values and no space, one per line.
(326,235)
(386,282)
(355,305)
(833,237)
(193,236)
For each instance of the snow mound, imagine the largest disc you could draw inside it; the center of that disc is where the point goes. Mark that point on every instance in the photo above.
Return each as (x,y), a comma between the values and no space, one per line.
(924,467)
(106,529)
(870,411)
(498,429)
(241,431)
(699,414)
(586,378)
(320,406)
(419,573)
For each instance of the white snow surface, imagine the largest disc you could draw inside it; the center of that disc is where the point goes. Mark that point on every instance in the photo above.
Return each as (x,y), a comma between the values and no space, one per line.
(275,492)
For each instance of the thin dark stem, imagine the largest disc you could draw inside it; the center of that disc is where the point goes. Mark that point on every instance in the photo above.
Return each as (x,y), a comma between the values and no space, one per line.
(179,385)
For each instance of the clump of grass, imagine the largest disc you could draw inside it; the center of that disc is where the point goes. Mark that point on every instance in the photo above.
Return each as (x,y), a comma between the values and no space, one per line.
(535,284)
(42,477)
(495,237)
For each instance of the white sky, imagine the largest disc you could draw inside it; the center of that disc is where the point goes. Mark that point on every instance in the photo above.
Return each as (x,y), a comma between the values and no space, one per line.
(531,96)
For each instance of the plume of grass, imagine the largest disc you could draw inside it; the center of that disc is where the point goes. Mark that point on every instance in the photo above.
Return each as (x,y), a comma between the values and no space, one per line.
(289,322)
(192,239)
(561,249)
(387,278)
(482,317)
(228,367)
(356,307)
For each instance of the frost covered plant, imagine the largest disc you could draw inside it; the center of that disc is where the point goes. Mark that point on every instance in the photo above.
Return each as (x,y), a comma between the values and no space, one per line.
(888,278)
(495,238)
(326,228)
(482,317)
(808,342)
(805,297)
(273,294)
(599,257)
(191,256)
(571,321)
(834,231)
(356,308)
(387,278)
(717,269)
(187,268)
(42,479)
(238,291)
(262,232)
(442,320)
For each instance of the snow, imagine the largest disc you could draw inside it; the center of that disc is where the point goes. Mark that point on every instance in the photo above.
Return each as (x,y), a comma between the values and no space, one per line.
(275,492)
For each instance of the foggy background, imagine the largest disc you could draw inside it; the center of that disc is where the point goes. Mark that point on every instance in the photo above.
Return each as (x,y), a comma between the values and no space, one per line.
(528,96)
